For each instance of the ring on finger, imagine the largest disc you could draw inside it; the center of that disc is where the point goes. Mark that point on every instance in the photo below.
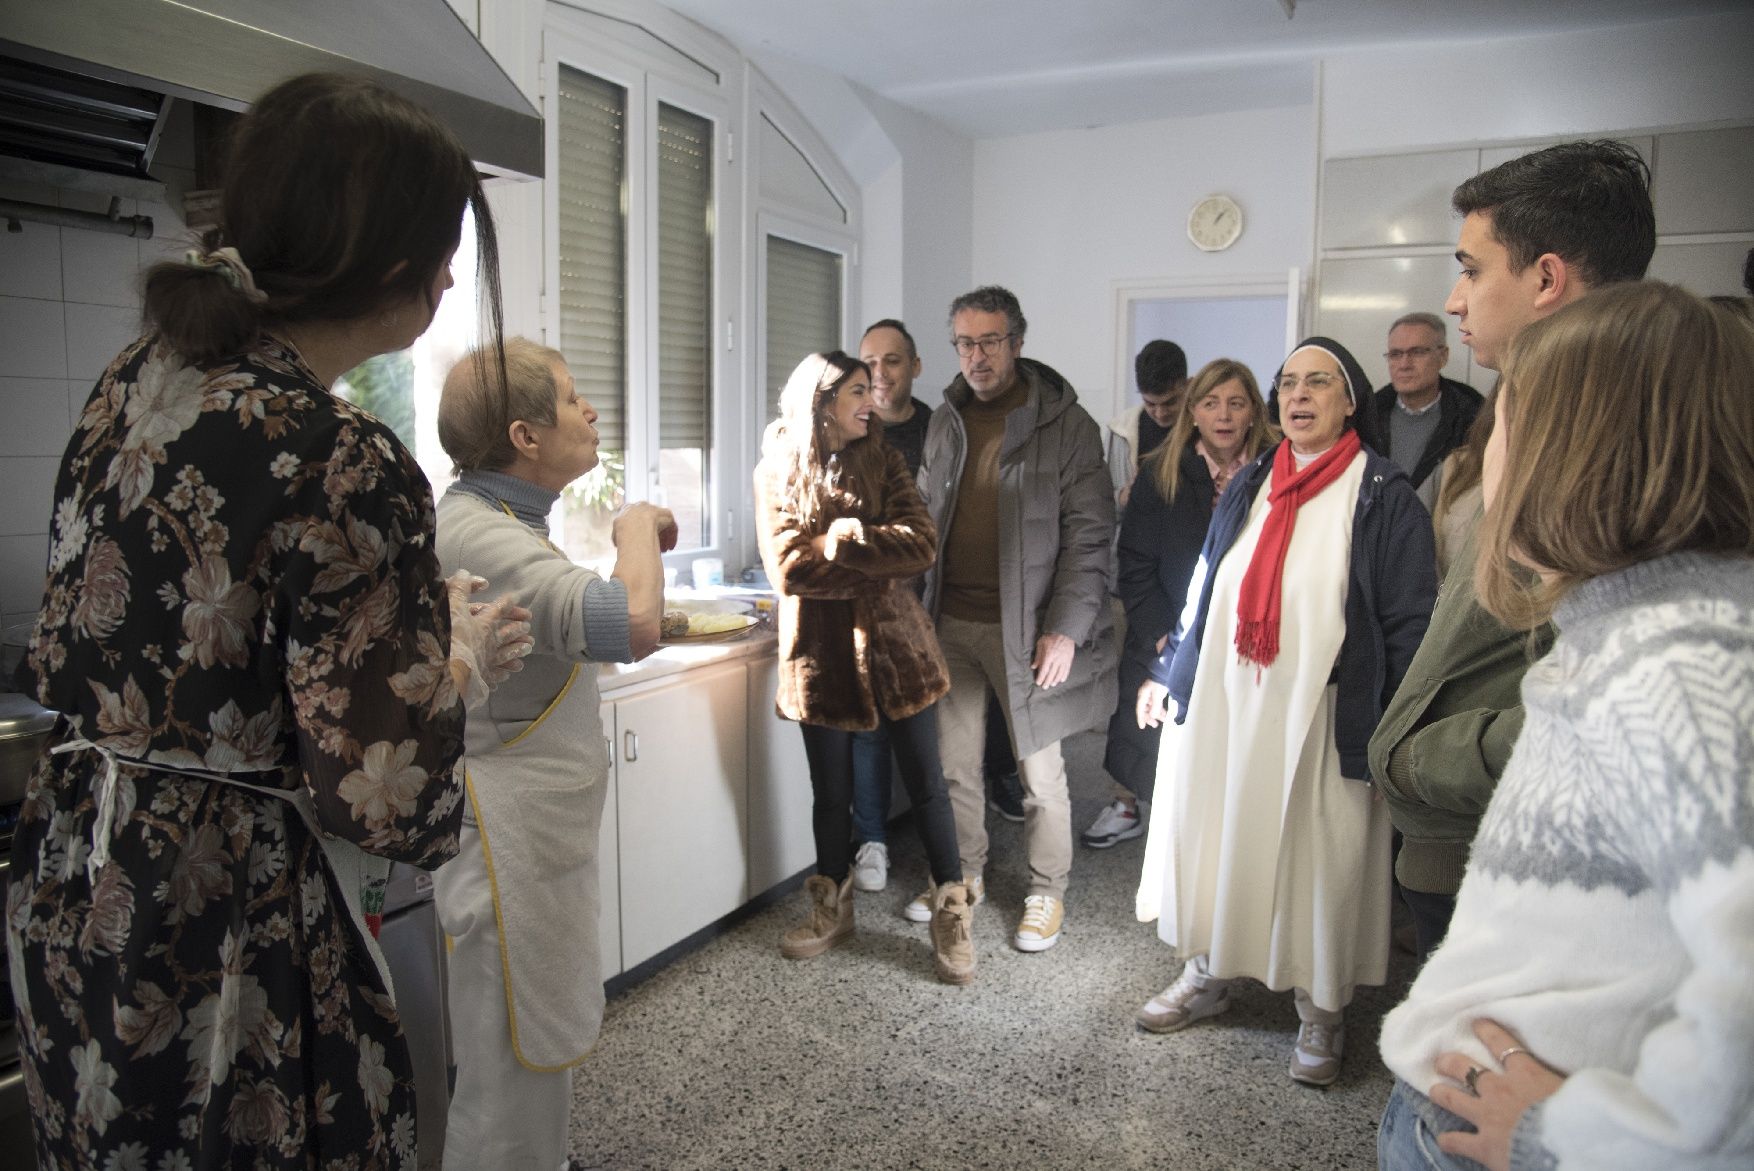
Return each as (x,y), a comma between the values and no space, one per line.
(1505,1056)
(1474,1073)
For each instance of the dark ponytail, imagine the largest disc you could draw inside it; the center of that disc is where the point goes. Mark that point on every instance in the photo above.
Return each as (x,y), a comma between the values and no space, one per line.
(342,199)
(199,310)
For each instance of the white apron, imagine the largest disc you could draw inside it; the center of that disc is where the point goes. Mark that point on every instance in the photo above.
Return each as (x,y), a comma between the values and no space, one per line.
(1260,855)
(537,803)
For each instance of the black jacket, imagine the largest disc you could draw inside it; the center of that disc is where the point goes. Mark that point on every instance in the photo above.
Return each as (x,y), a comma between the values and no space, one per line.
(1389,599)
(1159,547)
(1457,405)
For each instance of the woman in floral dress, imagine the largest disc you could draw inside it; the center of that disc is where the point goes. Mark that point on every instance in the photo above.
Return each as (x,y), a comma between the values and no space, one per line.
(246,629)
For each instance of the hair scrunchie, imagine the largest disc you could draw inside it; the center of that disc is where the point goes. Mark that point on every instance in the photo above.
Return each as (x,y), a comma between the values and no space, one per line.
(231,266)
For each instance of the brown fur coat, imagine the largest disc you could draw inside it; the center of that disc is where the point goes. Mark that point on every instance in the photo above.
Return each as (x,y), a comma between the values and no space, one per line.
(853,638)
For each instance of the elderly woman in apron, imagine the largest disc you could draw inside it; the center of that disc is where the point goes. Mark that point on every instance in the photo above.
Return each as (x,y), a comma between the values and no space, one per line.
(246,632)
(521,899)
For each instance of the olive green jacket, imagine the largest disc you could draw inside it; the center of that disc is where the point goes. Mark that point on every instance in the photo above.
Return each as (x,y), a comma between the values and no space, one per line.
(1443,743)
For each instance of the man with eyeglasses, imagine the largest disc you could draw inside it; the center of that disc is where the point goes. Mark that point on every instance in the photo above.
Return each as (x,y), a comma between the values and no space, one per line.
(1014,477)
(1421,415)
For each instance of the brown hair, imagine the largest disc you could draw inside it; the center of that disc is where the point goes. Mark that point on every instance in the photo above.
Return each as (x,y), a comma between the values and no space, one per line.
(1629,436)
(797,444)
(1461,471)
(1164,465)
(342,198)
(475,415)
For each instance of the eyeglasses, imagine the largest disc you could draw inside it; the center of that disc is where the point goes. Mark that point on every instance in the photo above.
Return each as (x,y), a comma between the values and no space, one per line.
(1414,352)
(989,345)
(1316,382)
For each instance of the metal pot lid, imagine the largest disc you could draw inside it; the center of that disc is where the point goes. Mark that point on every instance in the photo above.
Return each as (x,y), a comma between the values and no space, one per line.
(20,716)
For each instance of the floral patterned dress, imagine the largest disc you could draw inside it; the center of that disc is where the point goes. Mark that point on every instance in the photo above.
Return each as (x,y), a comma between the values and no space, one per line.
(241,581)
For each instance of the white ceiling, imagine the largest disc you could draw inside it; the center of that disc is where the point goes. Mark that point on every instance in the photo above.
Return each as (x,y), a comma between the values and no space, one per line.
(996,67)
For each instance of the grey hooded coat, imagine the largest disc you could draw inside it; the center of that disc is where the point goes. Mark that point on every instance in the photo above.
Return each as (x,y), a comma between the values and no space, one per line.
(1056,517)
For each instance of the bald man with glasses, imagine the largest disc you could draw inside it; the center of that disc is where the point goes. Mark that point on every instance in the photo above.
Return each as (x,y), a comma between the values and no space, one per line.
(1422,416)
(1014,477)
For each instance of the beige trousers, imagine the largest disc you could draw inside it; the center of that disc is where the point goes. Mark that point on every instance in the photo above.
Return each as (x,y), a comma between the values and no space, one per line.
(975,654)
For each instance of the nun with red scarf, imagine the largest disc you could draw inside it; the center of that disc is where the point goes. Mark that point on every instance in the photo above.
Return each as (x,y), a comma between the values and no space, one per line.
(1267,855)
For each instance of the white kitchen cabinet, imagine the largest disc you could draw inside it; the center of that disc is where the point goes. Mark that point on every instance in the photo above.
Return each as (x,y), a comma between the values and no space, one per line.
(609,863)
(780,839)
(681,802)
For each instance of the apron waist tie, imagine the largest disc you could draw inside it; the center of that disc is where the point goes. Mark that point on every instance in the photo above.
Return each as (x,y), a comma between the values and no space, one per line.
(360,875)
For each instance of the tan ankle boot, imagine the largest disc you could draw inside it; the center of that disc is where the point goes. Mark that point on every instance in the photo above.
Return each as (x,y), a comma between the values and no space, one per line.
(830,920)
(953,933)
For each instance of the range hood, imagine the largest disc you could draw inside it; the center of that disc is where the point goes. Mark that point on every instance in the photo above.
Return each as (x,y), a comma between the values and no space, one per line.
(84,83)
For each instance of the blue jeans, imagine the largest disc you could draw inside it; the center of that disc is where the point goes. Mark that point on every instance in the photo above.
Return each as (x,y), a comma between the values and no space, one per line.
(871,785)
(1406,1142)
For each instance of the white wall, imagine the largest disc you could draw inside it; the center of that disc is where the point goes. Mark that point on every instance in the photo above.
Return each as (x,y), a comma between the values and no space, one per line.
(1060,217)
(1669,73)
(936,229)
(69,302)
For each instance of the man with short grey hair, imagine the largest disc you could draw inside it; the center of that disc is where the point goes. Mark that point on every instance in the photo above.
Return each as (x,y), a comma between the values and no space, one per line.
(1421,415)
(1014,477)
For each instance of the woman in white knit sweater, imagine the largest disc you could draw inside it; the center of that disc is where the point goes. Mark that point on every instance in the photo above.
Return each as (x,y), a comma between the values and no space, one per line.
(1593,1005)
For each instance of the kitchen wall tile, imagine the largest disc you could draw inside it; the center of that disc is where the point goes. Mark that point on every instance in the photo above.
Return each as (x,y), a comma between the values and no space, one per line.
(27,485)
(33,338)
(37,417)
(98,268)
(23,561)
(170,237)
(96,202)
(95,335)
(78,391)
(29,192)
(30,262)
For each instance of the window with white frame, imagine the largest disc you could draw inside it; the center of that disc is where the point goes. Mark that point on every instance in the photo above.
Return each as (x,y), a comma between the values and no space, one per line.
(637,287)
(700,241)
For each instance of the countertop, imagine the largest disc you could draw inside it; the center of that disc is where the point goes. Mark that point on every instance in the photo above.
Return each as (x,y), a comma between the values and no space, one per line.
(673,660)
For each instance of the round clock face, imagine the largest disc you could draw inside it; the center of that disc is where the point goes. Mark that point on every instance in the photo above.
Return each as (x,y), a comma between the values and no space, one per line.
(1215,223)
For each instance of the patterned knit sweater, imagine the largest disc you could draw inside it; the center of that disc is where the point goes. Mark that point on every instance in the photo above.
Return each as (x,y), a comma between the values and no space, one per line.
(1607,916)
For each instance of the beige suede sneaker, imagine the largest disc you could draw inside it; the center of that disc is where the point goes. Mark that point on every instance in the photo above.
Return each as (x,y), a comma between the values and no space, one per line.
(1039,929)
(920,910)
(830,919)
(953,933)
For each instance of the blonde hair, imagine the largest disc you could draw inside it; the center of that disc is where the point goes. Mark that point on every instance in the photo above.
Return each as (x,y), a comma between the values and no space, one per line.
(1629,419)
(1461,471)
(1164,465)
(796,444)
(475,417)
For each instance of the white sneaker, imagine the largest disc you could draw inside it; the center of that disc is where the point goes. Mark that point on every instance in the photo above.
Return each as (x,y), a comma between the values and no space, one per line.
(1184,1002)
(1316,1059)
(1116,823)
(920,910)
(871,867)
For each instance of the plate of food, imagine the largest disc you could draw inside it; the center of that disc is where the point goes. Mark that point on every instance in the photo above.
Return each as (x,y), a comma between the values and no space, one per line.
(694,622)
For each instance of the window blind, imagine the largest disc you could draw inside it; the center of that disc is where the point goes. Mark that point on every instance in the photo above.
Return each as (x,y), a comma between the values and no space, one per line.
(803,309)
(685,275)
(593,246)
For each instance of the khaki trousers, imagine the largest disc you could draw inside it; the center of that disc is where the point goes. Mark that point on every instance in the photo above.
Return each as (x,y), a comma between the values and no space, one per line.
(975,654)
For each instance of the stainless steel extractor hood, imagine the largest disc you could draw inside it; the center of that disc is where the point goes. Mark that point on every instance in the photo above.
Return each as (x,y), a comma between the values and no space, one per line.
(226,53)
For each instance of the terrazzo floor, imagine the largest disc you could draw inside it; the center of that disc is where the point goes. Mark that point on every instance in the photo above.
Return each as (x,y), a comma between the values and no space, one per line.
(734,1057)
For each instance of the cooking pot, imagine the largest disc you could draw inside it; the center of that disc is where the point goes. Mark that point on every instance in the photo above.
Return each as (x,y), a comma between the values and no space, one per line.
(25,726)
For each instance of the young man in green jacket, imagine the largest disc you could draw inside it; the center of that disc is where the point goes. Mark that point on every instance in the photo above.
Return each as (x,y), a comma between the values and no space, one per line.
(1538,232)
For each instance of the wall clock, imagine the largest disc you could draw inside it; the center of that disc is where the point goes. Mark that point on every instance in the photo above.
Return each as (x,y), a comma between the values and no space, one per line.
(1215,223)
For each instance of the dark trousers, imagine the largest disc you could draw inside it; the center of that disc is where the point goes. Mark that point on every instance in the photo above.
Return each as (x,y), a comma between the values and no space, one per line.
(915,741)
(1431,916)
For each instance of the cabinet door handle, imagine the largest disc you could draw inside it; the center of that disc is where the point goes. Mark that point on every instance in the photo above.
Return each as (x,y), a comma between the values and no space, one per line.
(630,745)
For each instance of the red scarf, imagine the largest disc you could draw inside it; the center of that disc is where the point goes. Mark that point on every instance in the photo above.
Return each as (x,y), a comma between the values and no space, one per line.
(1257,607)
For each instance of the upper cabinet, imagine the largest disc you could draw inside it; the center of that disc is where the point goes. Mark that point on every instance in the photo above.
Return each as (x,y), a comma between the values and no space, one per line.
(1392,199)
(1705,181)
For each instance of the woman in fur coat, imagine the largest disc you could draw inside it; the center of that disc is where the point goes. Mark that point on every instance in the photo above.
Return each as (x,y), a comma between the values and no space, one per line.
(843,531)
